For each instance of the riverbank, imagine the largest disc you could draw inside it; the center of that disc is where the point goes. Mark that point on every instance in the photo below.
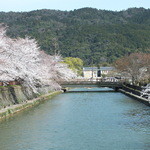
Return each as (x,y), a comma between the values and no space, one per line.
(13,109)
(134,93)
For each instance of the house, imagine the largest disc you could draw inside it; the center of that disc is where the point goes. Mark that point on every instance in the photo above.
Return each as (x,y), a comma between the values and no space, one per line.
(95,72)
(91,72)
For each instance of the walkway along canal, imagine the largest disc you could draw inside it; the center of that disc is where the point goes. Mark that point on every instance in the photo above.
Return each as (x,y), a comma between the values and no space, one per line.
(80,121)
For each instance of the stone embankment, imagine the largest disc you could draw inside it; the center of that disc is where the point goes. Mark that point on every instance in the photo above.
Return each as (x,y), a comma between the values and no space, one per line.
(134,92)
(14,99)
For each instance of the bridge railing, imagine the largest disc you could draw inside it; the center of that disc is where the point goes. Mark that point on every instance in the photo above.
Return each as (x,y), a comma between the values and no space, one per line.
(93,80)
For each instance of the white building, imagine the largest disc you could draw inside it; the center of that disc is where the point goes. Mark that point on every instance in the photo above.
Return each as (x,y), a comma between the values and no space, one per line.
(95,72)
(91,72)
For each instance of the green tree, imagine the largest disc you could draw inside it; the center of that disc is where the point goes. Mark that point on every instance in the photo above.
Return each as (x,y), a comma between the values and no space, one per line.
(76,64)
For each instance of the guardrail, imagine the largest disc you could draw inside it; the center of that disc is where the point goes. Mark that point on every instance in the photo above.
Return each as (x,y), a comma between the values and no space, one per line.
(138,90)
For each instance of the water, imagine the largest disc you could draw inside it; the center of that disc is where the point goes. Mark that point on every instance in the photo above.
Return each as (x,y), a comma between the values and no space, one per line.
(80,121)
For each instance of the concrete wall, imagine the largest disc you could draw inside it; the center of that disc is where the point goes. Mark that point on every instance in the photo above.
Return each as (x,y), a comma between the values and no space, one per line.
(16,94)
(134,92)
(13,109)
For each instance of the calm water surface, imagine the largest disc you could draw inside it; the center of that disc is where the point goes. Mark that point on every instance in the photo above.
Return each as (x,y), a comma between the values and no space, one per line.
(80,121)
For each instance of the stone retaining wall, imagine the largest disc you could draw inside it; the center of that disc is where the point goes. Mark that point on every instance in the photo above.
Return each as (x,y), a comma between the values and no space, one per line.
(134,93)
(12,109)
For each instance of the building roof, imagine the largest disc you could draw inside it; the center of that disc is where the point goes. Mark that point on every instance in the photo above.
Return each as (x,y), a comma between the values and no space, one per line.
(96,68)
(107,68)
(90,69)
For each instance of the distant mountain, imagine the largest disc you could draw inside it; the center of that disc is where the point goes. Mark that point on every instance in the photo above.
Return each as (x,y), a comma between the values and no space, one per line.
(93,35)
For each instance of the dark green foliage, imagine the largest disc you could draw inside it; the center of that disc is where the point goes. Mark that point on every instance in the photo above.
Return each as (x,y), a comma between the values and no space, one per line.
(95,36)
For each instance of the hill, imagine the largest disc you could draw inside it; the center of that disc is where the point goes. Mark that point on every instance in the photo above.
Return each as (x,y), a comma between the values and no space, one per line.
(96,36)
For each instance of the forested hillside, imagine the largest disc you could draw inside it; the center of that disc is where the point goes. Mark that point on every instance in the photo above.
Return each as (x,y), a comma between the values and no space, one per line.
(93,35)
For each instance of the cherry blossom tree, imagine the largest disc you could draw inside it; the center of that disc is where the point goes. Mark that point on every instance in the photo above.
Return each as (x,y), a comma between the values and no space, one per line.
(22,60)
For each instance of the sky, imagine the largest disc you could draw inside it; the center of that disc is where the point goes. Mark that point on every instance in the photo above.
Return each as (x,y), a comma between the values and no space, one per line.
(29,5)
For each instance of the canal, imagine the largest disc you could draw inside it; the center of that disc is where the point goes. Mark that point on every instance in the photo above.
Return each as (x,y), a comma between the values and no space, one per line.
(80,121)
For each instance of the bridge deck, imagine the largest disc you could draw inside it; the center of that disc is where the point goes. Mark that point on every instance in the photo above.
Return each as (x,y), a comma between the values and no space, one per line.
(90,83)
(90,91)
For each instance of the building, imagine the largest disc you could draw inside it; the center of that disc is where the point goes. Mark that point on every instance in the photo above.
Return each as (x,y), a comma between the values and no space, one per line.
(91,72)
(106,70)
(95,72)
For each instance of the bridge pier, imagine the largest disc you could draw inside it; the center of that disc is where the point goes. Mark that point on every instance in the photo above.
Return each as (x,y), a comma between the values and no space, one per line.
(116,89)
(64,90)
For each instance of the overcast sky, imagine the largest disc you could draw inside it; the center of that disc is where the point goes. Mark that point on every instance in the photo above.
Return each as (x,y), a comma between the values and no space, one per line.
(28,5)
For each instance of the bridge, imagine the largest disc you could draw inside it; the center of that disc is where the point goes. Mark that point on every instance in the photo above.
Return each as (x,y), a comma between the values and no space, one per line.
(76,83)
